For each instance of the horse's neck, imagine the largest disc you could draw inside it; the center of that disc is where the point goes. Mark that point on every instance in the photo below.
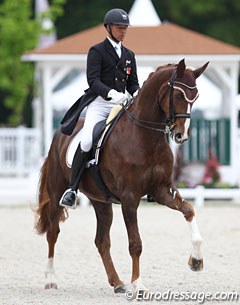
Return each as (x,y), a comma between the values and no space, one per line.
(147,105)
(146,108)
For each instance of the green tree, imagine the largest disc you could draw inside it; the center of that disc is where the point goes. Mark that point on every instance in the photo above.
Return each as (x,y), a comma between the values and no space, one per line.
(19,32)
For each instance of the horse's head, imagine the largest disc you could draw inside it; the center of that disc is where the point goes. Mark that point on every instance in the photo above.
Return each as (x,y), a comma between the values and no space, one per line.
(178,98)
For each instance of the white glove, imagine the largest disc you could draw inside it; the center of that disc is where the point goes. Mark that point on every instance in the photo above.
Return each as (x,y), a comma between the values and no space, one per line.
(135,93)
(117,97)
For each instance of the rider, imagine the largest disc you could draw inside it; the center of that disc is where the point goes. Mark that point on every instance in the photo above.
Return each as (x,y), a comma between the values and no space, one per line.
(111,69)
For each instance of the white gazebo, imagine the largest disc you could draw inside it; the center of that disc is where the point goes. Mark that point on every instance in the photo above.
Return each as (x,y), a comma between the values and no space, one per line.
(160,43)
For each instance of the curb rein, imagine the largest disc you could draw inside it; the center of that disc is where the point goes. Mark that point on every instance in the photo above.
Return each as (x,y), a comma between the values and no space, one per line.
(171,120)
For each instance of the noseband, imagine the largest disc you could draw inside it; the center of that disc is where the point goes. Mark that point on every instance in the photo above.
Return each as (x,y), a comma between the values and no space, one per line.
(171,120)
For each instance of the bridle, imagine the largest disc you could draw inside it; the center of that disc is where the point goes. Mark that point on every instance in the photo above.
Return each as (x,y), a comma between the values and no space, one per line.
(171,120)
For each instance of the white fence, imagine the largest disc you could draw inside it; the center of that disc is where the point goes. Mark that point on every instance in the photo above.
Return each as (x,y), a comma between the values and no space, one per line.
(199,194)
(20,151)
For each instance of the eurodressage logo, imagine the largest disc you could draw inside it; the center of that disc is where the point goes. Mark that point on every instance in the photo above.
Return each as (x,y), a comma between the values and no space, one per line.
(199,297)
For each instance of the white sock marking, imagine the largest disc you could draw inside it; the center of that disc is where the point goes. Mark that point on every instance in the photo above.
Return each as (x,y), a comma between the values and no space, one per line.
(196,239)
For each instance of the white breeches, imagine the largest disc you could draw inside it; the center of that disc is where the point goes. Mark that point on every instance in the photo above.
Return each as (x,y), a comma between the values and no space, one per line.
(97,111)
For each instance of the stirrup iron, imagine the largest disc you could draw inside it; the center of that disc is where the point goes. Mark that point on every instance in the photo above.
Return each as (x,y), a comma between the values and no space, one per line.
(74,206)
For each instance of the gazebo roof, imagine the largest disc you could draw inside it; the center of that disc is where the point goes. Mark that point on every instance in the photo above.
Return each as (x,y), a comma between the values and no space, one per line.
(165,39)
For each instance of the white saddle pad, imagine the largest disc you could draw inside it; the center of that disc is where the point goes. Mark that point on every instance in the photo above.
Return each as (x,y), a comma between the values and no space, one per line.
(72,147)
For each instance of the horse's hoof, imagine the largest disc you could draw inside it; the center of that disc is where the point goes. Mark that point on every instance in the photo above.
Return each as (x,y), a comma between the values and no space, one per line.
(51,286)
(195,264)
(120,289)
(138,289)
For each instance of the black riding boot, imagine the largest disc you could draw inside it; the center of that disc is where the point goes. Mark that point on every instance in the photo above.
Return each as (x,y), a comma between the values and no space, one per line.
(69,198)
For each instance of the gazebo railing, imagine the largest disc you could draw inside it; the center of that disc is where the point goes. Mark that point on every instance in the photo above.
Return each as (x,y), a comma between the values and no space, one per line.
(206,135)
(20,151)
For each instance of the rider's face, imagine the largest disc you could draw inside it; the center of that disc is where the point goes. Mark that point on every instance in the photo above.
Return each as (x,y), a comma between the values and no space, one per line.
(119,31)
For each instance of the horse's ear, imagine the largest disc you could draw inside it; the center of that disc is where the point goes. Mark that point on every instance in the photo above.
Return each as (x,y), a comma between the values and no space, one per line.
(181,68)
(200,70)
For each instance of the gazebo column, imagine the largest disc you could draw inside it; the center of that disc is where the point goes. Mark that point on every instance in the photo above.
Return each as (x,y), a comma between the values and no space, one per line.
(47,109)
(234,122)
(52,74)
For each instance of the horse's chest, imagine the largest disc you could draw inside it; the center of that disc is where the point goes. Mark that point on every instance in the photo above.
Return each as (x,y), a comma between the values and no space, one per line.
(162,167)
(162,170)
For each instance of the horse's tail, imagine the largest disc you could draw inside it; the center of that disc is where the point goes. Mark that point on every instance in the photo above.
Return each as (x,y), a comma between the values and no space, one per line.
(46,208)
(42,220)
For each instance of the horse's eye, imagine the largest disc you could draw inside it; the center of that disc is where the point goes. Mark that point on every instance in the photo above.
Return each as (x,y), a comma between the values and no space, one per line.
(179,96)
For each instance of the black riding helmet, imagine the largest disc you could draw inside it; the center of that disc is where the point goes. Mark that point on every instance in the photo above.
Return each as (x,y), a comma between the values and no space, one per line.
(116,16)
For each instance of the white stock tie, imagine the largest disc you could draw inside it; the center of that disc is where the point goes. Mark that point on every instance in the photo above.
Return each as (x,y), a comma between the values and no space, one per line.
(118,50)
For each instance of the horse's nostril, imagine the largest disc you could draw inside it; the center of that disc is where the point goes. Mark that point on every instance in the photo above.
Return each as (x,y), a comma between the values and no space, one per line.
(178,136)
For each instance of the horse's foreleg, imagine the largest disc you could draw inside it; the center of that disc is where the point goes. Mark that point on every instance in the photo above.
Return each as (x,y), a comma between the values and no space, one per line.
(135,244)
(104,217)
(195,261)
(171,198)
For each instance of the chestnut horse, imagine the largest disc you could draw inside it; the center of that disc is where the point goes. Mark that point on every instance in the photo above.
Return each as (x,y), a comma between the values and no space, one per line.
(136,160)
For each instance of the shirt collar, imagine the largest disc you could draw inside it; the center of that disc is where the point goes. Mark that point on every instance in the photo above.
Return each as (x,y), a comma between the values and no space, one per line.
(114,44)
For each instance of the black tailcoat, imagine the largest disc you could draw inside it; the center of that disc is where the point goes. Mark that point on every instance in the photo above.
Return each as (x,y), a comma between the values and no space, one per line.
(105,71)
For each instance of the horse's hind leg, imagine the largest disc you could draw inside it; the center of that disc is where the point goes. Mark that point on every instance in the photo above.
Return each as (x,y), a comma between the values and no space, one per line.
(129,211)
(55,214)
(171,198)
(104,217)
(49,214)
(52,235)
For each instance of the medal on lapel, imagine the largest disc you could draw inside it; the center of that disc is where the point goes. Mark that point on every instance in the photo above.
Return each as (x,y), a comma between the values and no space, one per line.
(128,67)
